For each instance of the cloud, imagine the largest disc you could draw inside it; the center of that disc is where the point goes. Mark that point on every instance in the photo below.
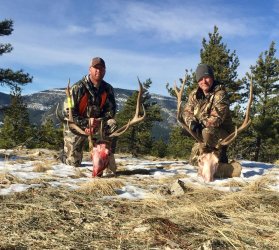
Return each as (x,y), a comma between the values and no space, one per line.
(170,23)
(123,65)
(76,30)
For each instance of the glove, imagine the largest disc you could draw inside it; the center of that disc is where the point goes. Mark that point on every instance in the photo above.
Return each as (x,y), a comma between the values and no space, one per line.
(196,126)
(111,126)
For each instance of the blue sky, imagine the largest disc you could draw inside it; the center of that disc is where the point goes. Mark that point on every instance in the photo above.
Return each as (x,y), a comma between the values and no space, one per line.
(55,40)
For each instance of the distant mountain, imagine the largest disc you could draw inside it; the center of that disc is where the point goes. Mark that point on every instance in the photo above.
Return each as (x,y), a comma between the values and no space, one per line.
(43,104)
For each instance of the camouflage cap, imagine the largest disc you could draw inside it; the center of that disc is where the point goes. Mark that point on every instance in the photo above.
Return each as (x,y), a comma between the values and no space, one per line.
(97,61)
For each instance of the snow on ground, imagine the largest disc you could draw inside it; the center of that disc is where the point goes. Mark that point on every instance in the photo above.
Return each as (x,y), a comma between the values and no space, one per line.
(63,175)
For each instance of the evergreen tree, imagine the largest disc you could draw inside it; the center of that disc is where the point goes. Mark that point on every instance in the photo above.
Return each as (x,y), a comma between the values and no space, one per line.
(138,139)
(179,145)
(49,136)
(8,77)
(265,123)
(159,148)
(16,128)
(224,63)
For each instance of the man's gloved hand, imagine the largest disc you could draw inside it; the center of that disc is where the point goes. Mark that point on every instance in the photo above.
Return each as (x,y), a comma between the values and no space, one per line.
(111,126)
(196,126)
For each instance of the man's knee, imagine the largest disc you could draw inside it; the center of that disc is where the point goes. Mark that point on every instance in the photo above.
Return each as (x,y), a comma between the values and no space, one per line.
(73,149)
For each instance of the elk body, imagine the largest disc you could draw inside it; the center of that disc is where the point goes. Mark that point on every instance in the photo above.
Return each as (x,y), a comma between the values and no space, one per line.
(101,148)
(208,162)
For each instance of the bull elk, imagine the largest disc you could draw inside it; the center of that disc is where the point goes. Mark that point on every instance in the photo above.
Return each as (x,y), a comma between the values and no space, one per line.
(208,162)
(100,149)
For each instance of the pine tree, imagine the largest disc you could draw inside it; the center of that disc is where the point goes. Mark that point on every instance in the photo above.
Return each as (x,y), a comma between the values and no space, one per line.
(224,63)
(159,148)
(138,139)
(49,136)
(265,123)
(179,145)
(16,128)
(8,77)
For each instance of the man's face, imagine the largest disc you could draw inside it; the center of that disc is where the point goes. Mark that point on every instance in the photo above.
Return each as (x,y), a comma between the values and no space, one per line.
(206,83)
(97,73)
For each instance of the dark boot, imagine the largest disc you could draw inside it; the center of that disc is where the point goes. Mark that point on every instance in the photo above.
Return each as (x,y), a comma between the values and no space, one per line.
(223,158)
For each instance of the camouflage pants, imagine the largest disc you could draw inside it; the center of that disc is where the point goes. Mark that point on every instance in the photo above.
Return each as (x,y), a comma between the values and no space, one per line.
(210,137)
(73,148)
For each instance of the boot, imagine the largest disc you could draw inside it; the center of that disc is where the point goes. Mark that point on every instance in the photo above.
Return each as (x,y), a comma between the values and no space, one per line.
(223,158)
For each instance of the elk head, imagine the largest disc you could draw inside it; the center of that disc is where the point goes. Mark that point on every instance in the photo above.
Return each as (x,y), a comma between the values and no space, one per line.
(208,161)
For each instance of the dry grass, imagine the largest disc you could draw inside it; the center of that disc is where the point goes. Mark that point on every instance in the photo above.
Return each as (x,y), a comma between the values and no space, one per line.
(47,219)
(52,218)
(42,167)
(262,183)
(101,187)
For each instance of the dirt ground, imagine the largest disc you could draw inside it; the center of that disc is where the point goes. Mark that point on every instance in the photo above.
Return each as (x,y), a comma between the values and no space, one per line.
(200,218)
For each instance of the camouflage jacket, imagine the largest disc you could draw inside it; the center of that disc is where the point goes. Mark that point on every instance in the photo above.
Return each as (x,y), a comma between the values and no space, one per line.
(94,99)
(211,110)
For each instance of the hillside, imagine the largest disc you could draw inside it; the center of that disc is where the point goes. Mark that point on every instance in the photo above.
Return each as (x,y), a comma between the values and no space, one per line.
(43,104)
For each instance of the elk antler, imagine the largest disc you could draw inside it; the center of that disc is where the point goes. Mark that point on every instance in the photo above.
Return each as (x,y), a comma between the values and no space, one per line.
(230,138)
(136,119)
(179,115)
(70,121)
(77,130)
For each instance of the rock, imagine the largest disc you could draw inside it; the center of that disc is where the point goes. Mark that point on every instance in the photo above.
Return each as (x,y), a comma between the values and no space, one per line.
(178,188)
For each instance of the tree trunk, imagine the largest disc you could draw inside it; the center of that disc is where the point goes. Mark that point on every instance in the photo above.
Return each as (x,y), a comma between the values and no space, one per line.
(258,146)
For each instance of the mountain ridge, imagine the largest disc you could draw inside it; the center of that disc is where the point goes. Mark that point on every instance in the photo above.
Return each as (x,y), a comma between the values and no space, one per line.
(42,105)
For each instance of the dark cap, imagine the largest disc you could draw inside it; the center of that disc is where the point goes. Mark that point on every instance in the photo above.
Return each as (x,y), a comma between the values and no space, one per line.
(204,70)
(97,61)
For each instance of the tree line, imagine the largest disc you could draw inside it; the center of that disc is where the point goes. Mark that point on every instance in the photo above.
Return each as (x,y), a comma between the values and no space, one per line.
(259,142)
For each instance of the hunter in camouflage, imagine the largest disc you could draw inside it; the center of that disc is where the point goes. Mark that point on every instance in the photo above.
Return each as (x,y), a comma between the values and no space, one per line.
(207,112)
(91,97)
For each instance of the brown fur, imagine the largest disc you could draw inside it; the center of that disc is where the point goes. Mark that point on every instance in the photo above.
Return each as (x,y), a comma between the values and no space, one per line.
(228,170)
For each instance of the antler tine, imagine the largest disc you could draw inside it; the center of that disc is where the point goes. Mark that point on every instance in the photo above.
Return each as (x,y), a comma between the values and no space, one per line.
(136,119)
(179,116)
(72,126)
(247,121)
(69,100)
(70,121)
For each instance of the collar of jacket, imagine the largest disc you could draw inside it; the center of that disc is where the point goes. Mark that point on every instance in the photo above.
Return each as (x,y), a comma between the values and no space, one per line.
(215,87)
(90,86)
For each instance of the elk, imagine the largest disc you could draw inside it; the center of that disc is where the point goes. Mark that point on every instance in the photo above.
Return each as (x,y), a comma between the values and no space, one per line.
(208,162)
(100,149)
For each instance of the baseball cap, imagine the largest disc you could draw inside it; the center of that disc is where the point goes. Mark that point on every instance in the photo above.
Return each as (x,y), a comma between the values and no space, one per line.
(97,61)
